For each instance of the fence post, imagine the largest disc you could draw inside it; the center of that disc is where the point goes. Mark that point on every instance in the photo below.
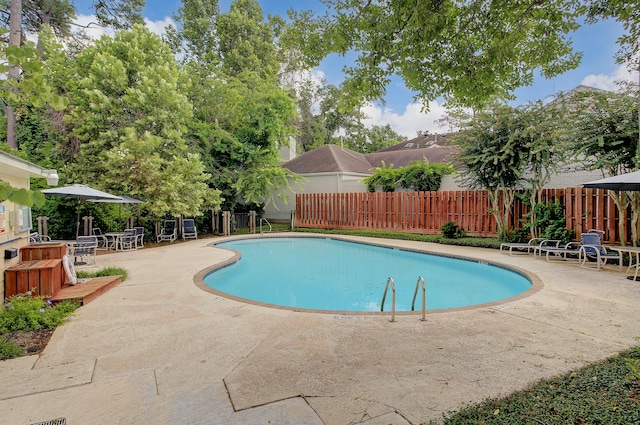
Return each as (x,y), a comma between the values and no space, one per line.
(87,224)
(252,221)
(226,223)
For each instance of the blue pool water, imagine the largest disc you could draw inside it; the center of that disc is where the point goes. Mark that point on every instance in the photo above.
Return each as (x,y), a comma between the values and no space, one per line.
(329,274)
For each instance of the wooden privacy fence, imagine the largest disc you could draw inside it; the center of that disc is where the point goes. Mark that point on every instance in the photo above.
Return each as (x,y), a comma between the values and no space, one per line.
(426,212)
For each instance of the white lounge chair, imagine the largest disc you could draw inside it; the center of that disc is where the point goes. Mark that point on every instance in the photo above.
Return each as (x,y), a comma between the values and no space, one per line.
(83,251)
(103,241)
(139,237)
(591,249)
(169,232)
(533,245)
(129,239)
(36,237)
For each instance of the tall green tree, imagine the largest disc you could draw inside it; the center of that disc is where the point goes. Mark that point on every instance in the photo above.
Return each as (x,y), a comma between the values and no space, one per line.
(57,14)
(625,12)
(246,41)
(241,114)
(494,157)
(466,51)
(312,132)
(366,140)
(195,39)
(119,14)
(538,127)
(129,116)
(602,133)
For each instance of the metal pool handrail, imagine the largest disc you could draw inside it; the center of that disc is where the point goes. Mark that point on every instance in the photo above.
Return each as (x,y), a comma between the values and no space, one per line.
(420,282)
(266,221)
(393,298)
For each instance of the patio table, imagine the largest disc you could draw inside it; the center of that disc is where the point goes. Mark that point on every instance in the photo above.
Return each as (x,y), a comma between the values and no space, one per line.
(631,250)
(116,239)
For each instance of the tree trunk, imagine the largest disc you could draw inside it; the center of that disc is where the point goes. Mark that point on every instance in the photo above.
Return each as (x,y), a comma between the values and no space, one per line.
(15,32)
(635,214)
(621,202)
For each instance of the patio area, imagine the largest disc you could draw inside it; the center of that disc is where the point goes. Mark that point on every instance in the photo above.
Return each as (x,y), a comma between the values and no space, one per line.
(157,349)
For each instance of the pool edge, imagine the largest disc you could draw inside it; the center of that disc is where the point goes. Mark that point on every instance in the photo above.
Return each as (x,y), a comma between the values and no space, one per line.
(198,279)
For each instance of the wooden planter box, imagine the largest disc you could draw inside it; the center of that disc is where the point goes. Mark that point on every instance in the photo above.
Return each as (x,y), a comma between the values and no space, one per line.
(43,251)
(42,277)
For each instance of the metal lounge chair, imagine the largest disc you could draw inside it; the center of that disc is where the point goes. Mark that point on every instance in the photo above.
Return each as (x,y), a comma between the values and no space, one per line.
(128,239)
(84,250)
(36,237)
(139,237)
(189,229)
(103,241)
(591,249)
(528,247)
(169,232)
(575,249)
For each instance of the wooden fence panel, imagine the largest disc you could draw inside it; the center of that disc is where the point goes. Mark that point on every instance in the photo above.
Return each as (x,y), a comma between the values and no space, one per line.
(426,212)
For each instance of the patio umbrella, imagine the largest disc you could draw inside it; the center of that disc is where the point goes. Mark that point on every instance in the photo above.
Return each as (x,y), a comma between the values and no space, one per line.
(124,199)
(624,182)
(81,193)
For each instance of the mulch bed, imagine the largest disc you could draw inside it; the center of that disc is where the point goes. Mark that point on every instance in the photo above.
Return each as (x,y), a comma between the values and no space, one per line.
(33,342)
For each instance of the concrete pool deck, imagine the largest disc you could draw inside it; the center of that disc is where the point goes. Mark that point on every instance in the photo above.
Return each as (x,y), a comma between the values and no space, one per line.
(157,349)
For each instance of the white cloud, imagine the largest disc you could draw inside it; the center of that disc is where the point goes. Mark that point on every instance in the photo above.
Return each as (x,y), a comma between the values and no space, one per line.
(159,27)
(410,122)
(90,26)
(608,81)
(94,31)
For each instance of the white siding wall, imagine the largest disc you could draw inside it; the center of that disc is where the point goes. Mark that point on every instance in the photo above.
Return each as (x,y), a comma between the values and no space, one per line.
(557,181)
(317,183)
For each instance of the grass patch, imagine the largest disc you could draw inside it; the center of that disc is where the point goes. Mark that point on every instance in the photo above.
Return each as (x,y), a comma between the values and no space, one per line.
(465,241)
(607,392)
(106,271)
(9,349)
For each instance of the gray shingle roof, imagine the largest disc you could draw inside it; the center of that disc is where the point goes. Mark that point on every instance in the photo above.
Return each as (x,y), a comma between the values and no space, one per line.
(329,158)
(332,158)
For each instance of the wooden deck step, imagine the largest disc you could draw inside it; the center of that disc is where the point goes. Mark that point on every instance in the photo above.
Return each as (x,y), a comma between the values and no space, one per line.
(87,291)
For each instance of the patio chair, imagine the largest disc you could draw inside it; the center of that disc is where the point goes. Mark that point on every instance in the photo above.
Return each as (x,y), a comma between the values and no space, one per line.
(128,239)
(189,229)
(528,247)
(36,237)
(103,241)
(564,252)
(575,249)
(169,232)
(139,237)
(591,249)
(84,250)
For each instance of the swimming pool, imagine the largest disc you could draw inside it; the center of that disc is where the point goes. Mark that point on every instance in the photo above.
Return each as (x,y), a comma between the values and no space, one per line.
(336,275)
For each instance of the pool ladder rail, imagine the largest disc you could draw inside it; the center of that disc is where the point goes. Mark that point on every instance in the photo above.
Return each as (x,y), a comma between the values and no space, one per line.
(265,221)
(419,284)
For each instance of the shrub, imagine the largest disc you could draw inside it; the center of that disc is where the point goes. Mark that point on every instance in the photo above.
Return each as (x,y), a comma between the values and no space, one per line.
(450,230)
(9,349)
(24,313)
(551,220)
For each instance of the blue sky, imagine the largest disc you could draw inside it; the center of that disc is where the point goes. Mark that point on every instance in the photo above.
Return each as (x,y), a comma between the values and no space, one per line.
(598,69)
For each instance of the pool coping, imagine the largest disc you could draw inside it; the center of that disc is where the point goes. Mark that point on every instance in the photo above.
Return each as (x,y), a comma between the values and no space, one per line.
(198,279)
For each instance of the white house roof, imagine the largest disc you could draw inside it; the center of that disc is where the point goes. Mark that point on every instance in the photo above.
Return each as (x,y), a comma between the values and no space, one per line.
(14,166)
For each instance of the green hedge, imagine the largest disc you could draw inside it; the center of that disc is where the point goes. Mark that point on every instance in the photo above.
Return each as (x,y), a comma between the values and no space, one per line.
(466,241)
